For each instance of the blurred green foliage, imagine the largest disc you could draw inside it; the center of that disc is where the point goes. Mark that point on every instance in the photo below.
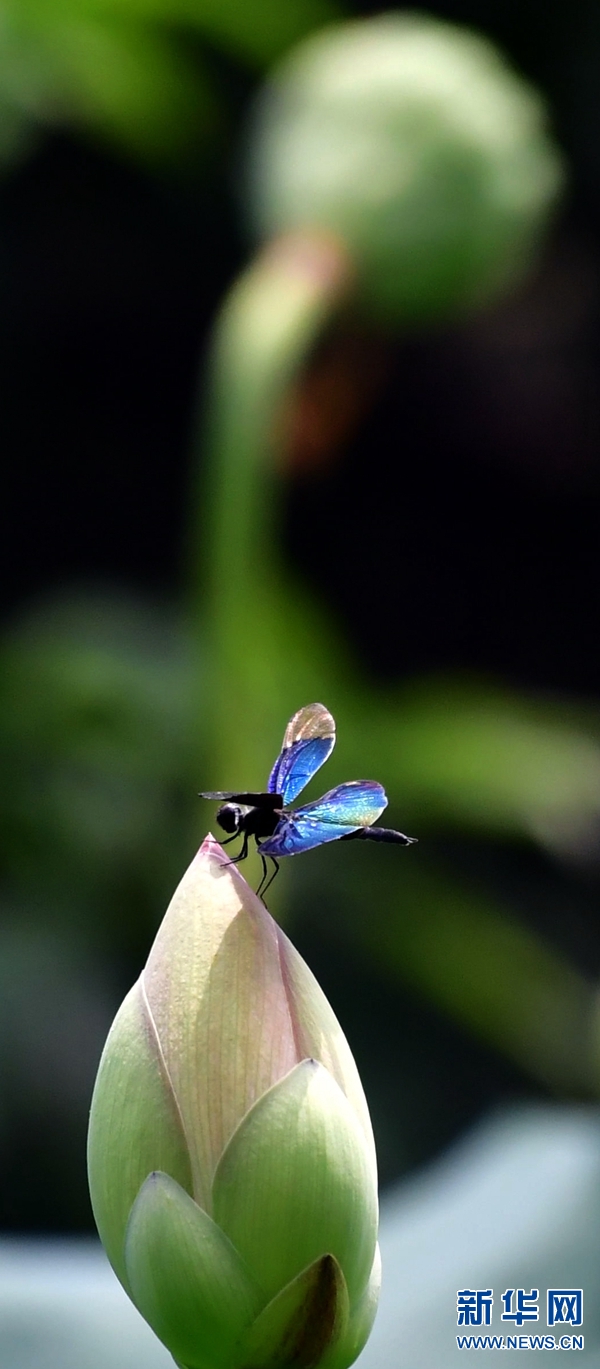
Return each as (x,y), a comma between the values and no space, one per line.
(127,72)
(95,710)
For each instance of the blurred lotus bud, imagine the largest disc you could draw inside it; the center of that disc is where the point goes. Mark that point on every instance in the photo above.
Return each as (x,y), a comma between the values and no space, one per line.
(231,1158)
(414,143)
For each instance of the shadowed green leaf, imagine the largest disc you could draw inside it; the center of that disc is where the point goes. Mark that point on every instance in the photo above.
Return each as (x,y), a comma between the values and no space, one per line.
(303,1325)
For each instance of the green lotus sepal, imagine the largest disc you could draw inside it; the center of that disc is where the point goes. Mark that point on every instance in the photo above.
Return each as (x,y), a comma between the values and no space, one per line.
(231,1158)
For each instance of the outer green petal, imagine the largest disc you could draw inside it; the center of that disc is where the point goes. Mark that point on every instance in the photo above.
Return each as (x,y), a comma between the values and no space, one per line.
(301,1323)
(185,1277)
(296,1182)
(358,1328)
(135,1125)
(320,1036)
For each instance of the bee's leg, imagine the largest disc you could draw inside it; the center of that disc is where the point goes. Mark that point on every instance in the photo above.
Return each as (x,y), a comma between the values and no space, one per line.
(264,871)
(262,888)
(235,860)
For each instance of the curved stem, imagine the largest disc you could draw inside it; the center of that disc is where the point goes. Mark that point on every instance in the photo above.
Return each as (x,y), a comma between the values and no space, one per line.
(267,327)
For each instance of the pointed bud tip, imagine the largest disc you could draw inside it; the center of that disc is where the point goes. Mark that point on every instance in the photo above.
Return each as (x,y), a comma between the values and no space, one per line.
(210,847)
(211,851)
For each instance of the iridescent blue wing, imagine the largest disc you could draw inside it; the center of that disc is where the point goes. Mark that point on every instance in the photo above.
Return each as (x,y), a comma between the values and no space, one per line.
(309,739)
(355,804)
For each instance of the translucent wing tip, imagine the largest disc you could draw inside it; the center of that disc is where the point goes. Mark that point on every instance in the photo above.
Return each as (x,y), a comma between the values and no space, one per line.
(314,720)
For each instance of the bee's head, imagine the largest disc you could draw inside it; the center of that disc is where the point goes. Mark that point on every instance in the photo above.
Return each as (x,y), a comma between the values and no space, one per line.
(229,817)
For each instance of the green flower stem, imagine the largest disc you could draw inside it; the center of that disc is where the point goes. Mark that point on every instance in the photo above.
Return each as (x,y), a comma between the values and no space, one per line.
(267,327)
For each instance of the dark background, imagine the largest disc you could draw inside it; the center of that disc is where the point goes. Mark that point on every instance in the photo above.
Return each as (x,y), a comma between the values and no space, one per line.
(483,504)
(110,279)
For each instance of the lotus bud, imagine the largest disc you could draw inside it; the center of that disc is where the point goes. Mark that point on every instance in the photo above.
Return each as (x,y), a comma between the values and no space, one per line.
(231,1159)
(414,144)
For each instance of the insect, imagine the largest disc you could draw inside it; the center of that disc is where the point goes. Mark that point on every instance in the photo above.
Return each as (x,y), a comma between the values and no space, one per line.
(345,813)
